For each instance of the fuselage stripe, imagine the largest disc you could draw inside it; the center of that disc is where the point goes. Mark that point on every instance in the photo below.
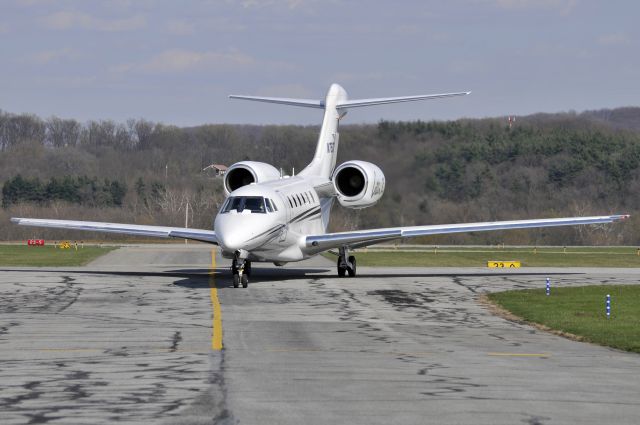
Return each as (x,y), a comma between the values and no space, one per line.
(307,214)
(300,215)
(271,230)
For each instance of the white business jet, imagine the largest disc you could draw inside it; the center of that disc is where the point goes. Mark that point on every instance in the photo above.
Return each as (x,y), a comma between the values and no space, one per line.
(268,217)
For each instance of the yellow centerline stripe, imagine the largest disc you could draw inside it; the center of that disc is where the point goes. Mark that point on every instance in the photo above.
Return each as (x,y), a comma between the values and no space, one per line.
(216,336)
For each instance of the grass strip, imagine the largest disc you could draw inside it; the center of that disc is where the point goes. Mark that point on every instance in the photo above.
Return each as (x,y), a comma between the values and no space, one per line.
(580,311)
(48,255)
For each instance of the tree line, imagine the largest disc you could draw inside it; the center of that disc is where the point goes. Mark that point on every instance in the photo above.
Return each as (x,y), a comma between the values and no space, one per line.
(80,190)
(544,165)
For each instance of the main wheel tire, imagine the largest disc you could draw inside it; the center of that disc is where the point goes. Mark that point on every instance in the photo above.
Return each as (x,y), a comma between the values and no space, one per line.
(236,280)
(247,268)
(341,270)
(245,280)
(352,269)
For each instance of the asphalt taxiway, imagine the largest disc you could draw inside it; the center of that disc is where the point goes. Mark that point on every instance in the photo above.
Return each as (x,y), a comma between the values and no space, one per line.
(133,338)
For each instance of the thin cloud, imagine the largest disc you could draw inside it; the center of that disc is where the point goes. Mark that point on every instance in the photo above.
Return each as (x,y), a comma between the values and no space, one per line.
(347,77)
(179,60)
(563,6)
(47,56)
(617,39)
(67,20)
(181,27)
(185,27)
(72,81)
(290,4)
(288,90)
(222,24)
(39,3)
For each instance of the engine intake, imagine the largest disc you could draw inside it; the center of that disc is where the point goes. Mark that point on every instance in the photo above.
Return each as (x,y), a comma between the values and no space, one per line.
(247,172)
(358,184)
(351,181)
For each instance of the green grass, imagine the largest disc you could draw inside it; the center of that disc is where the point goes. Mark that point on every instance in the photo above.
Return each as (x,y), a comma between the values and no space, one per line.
(44,256)
(478,257)
(581,311)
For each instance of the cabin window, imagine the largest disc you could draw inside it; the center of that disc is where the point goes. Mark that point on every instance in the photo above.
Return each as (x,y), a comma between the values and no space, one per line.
(299,200)
(273,204)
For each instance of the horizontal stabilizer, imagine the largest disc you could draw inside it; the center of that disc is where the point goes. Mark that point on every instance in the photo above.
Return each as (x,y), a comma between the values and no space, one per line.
(384,100)
(345,103)
(308,103)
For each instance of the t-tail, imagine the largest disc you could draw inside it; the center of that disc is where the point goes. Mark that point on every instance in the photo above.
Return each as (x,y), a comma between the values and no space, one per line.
(335,105)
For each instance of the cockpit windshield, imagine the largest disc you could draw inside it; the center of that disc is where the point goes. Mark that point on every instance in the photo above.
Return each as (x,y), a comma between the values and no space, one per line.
(255,204)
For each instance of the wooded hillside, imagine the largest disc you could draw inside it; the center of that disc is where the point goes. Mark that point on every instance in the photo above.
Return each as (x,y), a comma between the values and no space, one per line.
(546,165)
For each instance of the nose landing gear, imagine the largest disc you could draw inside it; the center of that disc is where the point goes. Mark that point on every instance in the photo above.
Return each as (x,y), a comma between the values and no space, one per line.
(241,270)
(346,263)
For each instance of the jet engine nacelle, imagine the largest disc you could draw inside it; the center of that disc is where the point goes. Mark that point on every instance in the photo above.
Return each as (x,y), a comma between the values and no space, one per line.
(247,172)
(358,184)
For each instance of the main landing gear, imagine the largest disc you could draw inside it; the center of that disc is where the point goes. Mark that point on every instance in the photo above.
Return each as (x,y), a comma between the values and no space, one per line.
(346,263)
(241,270)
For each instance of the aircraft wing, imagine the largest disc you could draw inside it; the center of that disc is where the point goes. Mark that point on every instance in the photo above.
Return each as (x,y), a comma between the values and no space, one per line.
(360,238)
(208,236)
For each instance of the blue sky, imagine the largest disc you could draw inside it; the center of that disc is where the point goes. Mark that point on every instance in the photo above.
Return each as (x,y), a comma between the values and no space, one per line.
(176,62)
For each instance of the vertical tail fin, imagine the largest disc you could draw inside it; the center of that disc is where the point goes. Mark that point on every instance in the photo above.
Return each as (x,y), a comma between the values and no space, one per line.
(335,106)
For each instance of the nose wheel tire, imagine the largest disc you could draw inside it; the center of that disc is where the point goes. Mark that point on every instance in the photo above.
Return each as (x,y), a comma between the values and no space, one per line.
(241,270)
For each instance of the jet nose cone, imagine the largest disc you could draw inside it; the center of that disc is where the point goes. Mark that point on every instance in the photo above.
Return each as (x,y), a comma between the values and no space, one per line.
(236,232)
(230,241)
(229,238)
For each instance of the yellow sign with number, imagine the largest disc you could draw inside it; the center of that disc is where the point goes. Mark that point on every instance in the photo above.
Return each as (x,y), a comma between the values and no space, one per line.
(64,245)
(503,264)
